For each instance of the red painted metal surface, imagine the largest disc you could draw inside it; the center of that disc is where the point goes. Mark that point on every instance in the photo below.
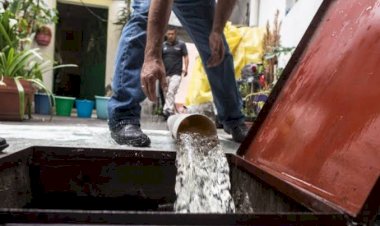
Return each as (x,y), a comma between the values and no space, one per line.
(322,133)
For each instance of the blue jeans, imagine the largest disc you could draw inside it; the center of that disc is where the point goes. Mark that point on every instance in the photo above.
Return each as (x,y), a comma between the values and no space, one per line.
(196,18)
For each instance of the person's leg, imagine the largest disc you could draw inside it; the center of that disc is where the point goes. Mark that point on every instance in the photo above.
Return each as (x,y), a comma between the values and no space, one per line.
(160,97)
(173,84)
(196,17)
(124,106)
(158,103)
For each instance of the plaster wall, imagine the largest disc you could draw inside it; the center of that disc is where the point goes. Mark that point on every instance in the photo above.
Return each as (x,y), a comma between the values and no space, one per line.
(48,51)
(295,24)
(113,37)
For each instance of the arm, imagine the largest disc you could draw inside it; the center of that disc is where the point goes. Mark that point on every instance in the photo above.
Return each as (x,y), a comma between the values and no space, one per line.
(186,60)
(153,67)
(222,13)
(185,55)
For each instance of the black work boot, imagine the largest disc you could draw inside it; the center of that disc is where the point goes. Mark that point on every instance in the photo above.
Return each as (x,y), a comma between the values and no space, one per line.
(218,124)
(130,135)
(3,144)
(238,132)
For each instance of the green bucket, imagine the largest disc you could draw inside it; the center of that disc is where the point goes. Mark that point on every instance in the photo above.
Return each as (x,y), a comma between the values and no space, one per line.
(64,105)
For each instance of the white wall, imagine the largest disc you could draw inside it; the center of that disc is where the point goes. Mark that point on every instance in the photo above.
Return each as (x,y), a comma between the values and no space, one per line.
(113,35)
(295,16)
(48,51)
(254,7)
(295,24)
(290,4)
(240,13)
(267,11)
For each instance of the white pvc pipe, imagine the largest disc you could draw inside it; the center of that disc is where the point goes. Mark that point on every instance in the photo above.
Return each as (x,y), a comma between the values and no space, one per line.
(191,123)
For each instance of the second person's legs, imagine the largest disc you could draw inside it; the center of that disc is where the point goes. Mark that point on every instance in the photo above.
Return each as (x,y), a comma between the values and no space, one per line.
(197,18)
(173,84)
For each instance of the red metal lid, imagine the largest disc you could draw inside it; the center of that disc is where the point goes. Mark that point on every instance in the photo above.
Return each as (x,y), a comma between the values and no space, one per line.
(320,129)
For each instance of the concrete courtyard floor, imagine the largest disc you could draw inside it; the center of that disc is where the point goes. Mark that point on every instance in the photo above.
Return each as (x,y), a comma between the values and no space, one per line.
(88,133)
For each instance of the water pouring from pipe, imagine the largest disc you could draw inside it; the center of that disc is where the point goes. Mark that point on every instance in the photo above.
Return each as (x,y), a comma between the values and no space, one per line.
(202,181)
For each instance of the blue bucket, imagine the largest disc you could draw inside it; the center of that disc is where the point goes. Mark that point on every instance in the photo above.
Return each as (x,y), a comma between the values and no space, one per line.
(84,108)
(101,107)
(41,104)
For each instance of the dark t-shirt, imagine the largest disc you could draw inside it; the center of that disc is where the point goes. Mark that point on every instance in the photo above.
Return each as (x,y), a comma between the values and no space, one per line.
(172,57)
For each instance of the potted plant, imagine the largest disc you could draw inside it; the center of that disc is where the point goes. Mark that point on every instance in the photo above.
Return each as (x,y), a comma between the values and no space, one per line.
(19,71)
(16,91)
(251,87)
(21,68)
(44,99)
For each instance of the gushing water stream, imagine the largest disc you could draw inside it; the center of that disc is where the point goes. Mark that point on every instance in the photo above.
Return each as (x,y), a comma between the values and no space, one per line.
(202,181)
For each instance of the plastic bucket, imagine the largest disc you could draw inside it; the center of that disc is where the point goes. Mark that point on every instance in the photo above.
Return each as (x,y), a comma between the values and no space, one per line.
(41,104)
(64,105)
(101,107)
(84,108)
(193,123)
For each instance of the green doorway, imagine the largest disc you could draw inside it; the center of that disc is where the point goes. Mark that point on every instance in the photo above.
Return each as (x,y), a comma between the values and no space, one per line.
(81,38)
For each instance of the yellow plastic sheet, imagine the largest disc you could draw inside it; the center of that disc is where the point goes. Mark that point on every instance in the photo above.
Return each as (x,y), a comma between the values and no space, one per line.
(246,46)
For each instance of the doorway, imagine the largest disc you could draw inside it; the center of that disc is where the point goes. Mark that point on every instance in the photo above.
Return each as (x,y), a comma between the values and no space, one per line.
(81,38)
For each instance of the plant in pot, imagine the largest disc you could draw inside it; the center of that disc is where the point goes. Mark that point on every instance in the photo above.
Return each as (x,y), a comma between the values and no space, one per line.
(43,98)
(251,88)
(21,68)
(20,76)
(12,67)
(16,79)
(17,71)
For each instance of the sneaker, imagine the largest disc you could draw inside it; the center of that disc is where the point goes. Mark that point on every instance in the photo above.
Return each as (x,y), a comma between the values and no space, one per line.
(218,124)
(238,132)
(131,135)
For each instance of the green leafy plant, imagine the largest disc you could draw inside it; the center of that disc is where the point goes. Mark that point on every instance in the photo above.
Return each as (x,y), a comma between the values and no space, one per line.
(13,65)
(18,21)
(251,88)
(275,52)
(21,19)
(25,65)
(8,30)
(253,103)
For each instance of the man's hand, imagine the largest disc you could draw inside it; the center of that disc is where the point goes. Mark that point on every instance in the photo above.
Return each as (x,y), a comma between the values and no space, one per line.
(184,73)
(152,71)
(217,49)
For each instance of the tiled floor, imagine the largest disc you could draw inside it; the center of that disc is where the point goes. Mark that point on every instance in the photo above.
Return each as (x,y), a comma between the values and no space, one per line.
(87,133)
